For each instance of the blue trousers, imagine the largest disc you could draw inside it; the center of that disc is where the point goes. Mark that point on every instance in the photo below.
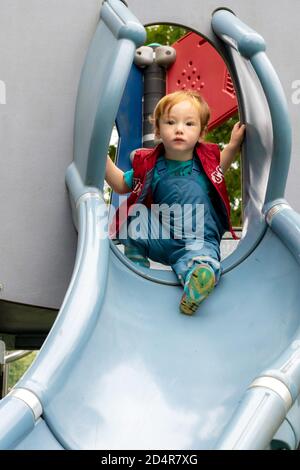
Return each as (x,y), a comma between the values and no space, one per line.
(200,245)
(180,254)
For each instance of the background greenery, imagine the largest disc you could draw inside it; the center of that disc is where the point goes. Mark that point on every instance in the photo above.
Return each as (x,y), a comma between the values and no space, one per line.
(221,136)
(17,368)
(164,34)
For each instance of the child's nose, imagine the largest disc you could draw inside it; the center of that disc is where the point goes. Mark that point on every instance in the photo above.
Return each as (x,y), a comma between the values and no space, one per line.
(179,128)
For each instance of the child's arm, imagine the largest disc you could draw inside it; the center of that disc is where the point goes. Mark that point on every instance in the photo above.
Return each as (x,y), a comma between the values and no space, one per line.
(115,178)
(230,151)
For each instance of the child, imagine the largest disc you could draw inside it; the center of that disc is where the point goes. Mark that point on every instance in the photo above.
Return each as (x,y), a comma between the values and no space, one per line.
(186,172)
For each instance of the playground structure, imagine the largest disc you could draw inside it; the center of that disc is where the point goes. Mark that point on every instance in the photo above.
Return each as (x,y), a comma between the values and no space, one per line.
(152,378)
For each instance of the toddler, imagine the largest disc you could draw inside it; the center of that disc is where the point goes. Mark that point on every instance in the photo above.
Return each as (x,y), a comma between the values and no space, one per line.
(182,172)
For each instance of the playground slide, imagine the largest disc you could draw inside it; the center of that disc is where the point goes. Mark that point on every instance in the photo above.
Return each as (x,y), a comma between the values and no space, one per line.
(121,367)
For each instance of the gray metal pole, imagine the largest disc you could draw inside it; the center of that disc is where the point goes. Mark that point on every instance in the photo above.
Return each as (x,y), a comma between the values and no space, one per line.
(155,60)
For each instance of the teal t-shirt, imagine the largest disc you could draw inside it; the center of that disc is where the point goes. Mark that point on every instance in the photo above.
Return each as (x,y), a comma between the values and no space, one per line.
(174,168)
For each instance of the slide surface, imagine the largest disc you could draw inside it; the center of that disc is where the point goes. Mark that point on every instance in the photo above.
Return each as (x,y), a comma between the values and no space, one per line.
(151,378)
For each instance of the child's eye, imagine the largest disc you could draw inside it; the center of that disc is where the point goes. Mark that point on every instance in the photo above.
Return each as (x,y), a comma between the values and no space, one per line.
(190,123)
(170,122)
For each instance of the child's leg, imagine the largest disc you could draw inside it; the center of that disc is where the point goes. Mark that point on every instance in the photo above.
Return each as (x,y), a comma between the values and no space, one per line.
(137,255)
(135,248)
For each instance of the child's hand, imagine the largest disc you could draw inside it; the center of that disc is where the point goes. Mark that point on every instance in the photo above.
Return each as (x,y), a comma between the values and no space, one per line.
(230,150)
(237,136)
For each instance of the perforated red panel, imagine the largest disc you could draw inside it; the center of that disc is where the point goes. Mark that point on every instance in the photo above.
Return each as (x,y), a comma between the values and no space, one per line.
(199,67)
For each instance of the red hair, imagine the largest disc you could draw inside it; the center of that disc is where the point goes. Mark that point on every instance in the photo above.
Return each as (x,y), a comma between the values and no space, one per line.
(165,105)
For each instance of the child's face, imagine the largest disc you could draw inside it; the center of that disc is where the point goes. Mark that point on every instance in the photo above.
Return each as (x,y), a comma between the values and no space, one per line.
(180,128)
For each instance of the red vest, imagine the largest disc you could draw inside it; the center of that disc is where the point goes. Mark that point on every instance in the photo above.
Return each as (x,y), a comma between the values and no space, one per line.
(143,168)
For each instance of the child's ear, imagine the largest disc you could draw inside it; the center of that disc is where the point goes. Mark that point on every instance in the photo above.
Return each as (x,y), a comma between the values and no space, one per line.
(202,134)
(157,139)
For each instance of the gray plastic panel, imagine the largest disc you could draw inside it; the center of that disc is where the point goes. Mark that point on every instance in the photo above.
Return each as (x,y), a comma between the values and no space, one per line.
(42,49)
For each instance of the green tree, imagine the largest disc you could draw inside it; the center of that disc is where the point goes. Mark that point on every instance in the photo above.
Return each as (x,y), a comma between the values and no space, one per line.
(221,135)
(112,152)
(18,368)
(165,35)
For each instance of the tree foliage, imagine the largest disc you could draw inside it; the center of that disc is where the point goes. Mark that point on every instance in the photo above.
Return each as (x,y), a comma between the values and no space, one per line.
(164,34)
(112,152)
(17,368)
(221,136)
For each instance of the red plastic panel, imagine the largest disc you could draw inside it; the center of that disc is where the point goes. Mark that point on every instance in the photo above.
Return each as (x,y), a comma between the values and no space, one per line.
(199,67)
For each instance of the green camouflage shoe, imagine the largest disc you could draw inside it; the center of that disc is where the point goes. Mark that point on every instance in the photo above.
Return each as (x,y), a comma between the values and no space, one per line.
(199,283)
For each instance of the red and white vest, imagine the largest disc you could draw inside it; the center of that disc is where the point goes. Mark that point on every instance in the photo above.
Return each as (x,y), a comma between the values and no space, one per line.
(143,169)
